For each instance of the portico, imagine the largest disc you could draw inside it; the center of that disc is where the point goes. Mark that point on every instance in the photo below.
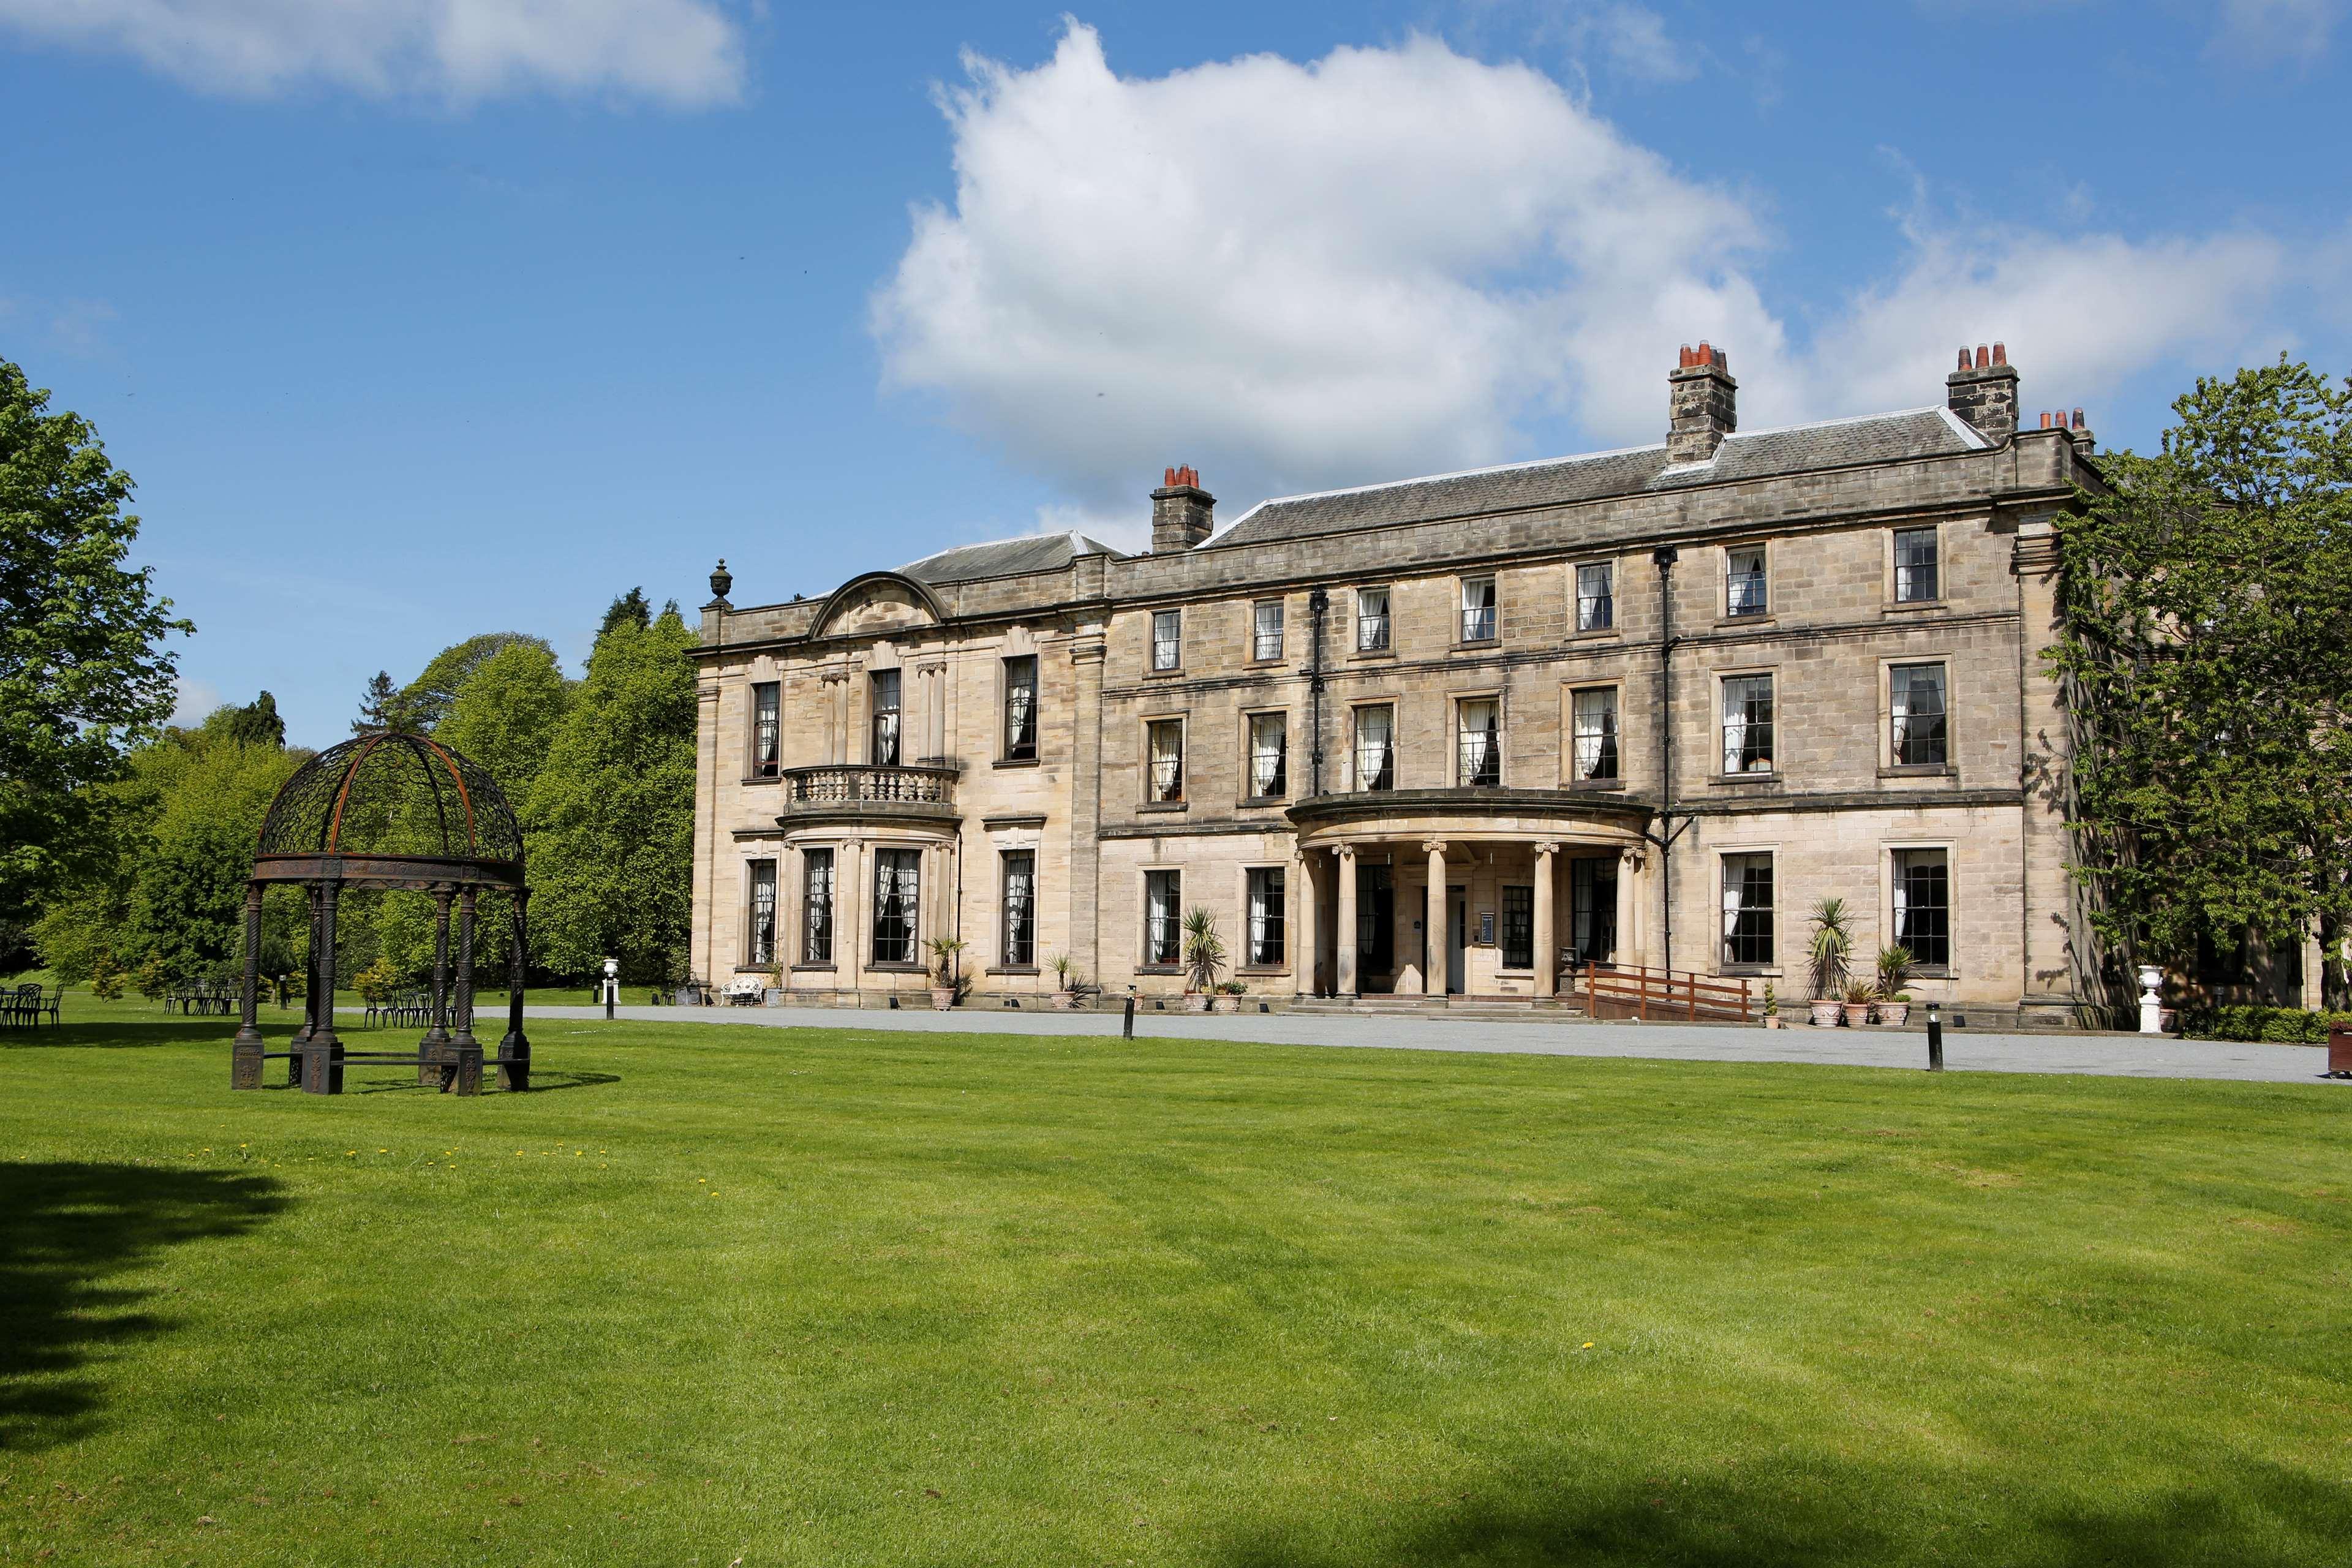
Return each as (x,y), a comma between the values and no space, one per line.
(1443,892)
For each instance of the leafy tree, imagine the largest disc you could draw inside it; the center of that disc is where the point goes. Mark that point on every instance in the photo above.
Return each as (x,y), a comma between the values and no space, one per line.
(2205,648)
(381,706)
(83,672)
(425,701)
(628,609)
(611,815)
(256,725)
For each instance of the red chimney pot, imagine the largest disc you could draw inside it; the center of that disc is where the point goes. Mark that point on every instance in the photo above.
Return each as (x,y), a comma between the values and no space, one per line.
(2078,419)
(1964,356)
(1984,358)
(2001,353)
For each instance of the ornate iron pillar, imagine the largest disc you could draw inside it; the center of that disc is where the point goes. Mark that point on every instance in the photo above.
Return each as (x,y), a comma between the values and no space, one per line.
(322,1057)
(245,1051)
(468,1050)
(434,1048)
(310,972)
(514,1051)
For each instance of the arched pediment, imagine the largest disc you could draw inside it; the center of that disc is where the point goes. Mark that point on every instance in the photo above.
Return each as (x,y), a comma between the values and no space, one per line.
(876,603)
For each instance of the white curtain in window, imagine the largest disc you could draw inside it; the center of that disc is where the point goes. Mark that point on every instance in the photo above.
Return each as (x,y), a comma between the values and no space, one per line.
(1480,722)
(1735,732)
(1166,761)
(1372,620)
(1159,914)
(1903,902)
(1262,894)
(1900,704)
(1019,878)
(1733,898)
(1375,734)
(1265,756)
(1023,698)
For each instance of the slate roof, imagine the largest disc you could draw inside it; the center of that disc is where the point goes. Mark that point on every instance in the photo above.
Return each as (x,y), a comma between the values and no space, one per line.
(1554,481)
(1005,558)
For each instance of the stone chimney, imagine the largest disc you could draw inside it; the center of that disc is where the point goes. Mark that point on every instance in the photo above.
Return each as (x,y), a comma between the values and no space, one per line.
(1704,401)
(1984,393)
(1181,512)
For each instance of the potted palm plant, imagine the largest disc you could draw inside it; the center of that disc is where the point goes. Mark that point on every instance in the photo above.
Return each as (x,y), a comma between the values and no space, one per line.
(1832,943)
(1066,982)
(945,982)
(1894,973)
(1204,954)
(1859,995)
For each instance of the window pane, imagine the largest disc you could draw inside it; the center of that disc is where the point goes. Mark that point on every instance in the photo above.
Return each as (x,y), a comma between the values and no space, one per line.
(1167,760)
(766,732)
(1482,743)
(1020,903)
(1748,908)
(1518,928)
(1161,893)
(1371,620)
(885,752)
(1269,756)
(763,911)
(1596,600)
(1266,641)
(1021,708)
(1917,575)
(1596,736)
(1744,588)
(1266,915)
(897,894)
(1916,715)
(1477,609)
(1923,906)
(1375,748)
(1166,639)
(1592,891)
(816,906)
(1748,724)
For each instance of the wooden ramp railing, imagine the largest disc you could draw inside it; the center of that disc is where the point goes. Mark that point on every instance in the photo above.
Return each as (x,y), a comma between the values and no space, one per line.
(1632,991)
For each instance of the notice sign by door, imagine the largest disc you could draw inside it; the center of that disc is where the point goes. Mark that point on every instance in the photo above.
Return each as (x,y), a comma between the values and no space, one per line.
(1486,928)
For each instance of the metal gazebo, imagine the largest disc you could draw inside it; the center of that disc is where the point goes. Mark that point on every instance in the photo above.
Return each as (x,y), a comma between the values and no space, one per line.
(390,809)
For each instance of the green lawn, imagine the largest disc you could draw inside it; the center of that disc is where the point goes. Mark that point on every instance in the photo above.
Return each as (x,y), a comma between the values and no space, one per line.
(833,1297)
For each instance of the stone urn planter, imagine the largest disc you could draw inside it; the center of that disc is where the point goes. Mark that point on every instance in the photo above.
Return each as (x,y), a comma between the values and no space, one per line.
(1196,1002)
(1064,1001)
(1824,1013)
(1894,1012)
(942,998)
(1857,1014)
(1226,1003)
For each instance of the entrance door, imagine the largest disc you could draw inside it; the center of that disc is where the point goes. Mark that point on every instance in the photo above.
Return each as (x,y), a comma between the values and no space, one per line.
(1457,940)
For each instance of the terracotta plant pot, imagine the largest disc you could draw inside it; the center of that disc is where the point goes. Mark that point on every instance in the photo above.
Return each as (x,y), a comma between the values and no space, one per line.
(1771,1020)
(1894,1012)
(1857,1014)
(1824,1013)
(942,998)
(1228,1005)
(1064,1001)
(1195,1002)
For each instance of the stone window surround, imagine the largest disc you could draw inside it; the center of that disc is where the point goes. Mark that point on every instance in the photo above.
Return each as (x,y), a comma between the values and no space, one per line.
(1151,665)
(1895,606)
(1036,709)
(1569,691)
(1462,582)
(1772,971)
(1146,791)
(1616,593)
(1715,773)
(1246,775)
(773,854)
(1500,697)
(1953,895)
(1004,964)
(1888,768)
(1281,603)
(799,924)
(751,687)
(1289,915)
(1356,649)
(1394,703)
(1723,615)
(1143,965)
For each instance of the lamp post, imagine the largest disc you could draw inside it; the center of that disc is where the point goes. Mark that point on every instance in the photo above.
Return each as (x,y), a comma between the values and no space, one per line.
(1934,1038)
(612,986)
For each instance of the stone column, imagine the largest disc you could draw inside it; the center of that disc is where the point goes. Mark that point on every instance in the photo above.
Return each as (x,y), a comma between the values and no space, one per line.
(1308,939)
(1344,981)
(848,899)
(1441,944)
(1631,906)
(711,784)
(245,1051)
(1547,949)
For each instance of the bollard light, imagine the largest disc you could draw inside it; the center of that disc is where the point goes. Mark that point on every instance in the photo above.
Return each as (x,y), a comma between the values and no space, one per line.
(1934,1038)
(1127,1028)
(612,986)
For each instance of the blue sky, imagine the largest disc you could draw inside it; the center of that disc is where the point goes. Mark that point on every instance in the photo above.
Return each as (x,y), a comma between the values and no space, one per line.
(432,317)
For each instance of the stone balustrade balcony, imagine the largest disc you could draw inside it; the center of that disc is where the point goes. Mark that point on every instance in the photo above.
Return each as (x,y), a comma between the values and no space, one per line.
(865,792)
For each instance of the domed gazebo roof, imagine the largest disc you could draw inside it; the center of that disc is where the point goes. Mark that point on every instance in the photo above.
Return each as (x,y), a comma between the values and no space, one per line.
(394,809)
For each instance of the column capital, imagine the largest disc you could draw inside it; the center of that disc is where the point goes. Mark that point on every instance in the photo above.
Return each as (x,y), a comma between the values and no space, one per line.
(1548,848)
(1432,846)
(1631,858)
(1345,851)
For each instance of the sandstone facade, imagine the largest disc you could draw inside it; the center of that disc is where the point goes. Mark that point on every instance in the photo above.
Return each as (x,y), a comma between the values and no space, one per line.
(1347,721)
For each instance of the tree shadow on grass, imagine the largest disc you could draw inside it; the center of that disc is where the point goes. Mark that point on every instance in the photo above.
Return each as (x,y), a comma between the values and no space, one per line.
(162,1029)
(65,1230)
(543,1080)
(1843,1515)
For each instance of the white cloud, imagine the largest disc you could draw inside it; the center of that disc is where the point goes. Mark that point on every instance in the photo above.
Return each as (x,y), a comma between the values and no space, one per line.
(2264,32)
(681,52)
(196,700)
(1397,260)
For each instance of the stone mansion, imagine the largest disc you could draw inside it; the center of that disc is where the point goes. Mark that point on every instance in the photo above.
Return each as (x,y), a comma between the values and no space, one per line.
(1448,736)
